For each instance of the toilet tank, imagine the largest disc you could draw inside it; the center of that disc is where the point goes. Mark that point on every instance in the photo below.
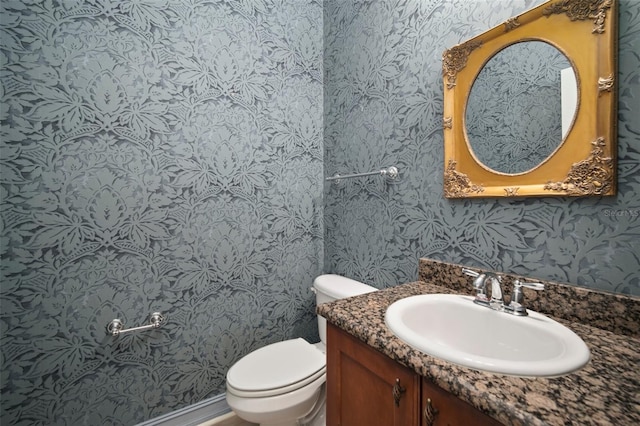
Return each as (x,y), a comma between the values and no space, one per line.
(332,287)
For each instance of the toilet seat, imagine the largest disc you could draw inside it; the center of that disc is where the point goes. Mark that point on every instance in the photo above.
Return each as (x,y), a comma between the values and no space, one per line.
(276,369)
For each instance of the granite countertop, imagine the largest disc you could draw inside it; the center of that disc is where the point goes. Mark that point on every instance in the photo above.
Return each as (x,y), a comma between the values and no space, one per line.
(605,392)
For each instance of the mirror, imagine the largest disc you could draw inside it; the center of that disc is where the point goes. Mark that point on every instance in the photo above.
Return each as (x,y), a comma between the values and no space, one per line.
(515,128)
(530,105)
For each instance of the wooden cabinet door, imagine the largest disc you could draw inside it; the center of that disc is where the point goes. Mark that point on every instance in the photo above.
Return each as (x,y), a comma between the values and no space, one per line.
(365,387)
(440,408)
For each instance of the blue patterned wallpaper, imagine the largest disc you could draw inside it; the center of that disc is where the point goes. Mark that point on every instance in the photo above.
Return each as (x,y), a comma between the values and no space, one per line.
(383,106)
(168,155)
(156,156)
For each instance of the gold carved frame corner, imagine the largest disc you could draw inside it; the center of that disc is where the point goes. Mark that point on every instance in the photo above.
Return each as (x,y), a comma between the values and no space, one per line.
(591,176)
(455,59)
(595,10)
(458,185)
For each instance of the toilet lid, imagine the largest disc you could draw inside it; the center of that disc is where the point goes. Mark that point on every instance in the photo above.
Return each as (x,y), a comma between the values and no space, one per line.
(277,366)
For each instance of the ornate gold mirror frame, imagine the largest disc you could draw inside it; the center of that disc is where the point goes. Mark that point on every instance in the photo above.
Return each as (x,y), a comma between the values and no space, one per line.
(585,31)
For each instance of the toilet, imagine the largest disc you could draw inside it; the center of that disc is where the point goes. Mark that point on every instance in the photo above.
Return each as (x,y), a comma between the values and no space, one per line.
(282,384)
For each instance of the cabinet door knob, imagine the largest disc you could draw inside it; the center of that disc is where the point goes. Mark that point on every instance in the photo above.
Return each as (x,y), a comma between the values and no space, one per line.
(397,392)
(430,413)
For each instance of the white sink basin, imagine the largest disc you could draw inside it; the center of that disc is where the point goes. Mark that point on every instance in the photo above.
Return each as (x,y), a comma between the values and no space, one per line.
(453,328)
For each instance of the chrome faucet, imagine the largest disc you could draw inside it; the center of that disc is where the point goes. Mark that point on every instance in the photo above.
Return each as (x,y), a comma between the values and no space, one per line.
(480,285)
(496,302)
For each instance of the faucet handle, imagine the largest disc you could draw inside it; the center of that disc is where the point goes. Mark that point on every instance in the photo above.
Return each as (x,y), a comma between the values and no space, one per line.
(479,284)
(470,272)
(518,296)
(517,285)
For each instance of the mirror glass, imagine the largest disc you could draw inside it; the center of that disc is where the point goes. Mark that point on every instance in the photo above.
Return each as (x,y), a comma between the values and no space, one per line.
(520,107)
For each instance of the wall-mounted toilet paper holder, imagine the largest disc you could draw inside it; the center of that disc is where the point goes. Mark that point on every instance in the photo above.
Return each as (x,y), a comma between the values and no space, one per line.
(116,327)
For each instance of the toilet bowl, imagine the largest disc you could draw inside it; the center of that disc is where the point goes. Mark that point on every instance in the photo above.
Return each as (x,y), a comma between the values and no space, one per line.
(282,384)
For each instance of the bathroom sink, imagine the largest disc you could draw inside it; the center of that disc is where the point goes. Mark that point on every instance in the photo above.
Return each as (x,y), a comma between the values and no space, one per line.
(453,328)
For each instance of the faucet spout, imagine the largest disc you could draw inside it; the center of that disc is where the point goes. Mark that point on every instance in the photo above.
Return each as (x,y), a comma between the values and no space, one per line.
(480,286)
(496,292)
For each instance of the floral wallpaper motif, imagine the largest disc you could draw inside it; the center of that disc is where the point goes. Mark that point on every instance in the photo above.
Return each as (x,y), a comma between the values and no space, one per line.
(156,156)
(383,104)
(520,84)
(168,155)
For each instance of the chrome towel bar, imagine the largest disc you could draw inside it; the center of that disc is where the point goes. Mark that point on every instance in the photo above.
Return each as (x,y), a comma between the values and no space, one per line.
(390,172)
(116,327)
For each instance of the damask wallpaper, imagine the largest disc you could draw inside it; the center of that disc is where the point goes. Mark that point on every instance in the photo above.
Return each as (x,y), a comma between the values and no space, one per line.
(383,106)
(169,155)
(156,156)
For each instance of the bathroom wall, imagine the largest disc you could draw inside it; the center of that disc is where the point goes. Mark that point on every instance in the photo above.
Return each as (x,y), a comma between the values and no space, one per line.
(383,106)
(156,156)
(168,156)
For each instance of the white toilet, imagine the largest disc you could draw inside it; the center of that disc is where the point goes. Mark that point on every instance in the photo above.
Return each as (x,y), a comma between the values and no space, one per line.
(282,384)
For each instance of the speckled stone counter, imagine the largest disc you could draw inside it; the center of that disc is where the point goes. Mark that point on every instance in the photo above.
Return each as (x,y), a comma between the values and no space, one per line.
(605,392)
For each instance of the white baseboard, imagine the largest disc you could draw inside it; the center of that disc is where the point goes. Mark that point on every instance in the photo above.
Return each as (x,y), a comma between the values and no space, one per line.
(193,415)
(229,419)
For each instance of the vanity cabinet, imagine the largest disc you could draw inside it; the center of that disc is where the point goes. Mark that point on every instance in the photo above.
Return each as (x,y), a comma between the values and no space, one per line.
(441,408)
(365,388)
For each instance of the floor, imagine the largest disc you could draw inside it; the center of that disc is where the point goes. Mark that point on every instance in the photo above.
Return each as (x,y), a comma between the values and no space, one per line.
(229,419)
